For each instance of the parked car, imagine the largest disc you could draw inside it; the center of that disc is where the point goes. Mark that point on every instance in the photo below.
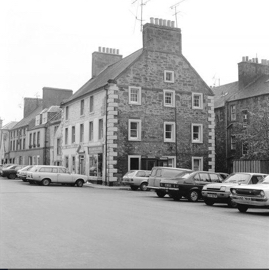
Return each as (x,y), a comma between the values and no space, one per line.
(11,171)
(220,193)
(189,184)
(159,173)
(22,172)
(137,179)
(45,175)
(251,196)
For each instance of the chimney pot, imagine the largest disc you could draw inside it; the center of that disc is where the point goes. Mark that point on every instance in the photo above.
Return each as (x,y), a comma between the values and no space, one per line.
(160,22)
(168,23)
(243,58)
(118,52)
(114,51)
(172,24)
(99,49)
(164,22)
(156,21)
(110,50)
(247,58)
(107,50)
(152,20)
(104,49)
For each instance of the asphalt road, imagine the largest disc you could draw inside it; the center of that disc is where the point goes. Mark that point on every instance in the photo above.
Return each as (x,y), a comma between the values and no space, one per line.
(71,227)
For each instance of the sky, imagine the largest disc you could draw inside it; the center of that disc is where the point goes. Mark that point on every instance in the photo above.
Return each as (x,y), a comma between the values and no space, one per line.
(49,43)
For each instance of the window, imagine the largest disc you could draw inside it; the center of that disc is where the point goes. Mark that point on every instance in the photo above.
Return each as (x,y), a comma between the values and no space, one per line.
(73,134)
(233,112)
(134,162)
(169,76)
(91,104)
(66,113)
(197,133)
(30,140)
(58,146)
(134,95)
(55,128)
(38,138)
(34,141)
(82,107)
(101,129)
(46,169)
(81,137)
(197,163)
(233,142)
(197,101)
(90,131)
(244,148)
(66,159)
(245,118)
(169,98)
(23,146)
(169,131)
(37,120)
(134,130)
(66,135)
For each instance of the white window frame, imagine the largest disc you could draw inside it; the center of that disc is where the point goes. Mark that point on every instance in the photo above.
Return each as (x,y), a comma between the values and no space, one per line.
(173,76)
(172,104)
(200,95)
(134,156)
(200,139)
(138,138)
(173,132)
(138,102)
(201,162)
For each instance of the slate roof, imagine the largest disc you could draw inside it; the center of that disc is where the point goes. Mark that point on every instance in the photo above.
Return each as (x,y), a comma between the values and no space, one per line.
(26,120)
(9,125)
(111,72)
(231,91)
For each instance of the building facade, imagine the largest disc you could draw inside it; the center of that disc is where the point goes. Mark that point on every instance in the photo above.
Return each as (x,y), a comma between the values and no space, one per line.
(148,109)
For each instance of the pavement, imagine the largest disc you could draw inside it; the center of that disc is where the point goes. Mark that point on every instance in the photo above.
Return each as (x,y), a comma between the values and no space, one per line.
(91,185)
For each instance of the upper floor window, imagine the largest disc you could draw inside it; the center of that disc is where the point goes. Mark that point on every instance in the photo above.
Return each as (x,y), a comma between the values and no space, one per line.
(233,142)
(91,103)
(197,100)
(245,118)
(38,139)
(169,98)
(169,76)
(82,107)
(197,163)
(101,129)
(197,133)
(37,120)
(90,131)
(66,113)
(73,134)
(30,139)
(233,112)
(169,131)
(134,130)
(134,95)
(66,136)
(81,138)
(58,146)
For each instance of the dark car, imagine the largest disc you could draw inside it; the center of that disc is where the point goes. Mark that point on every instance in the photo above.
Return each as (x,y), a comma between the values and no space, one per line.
(11,171)
(189,184)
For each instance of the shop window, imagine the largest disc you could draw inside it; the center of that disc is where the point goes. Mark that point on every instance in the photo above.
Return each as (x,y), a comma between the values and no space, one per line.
(96,165)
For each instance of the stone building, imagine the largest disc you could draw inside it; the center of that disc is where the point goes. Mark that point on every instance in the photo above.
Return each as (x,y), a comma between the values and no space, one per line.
(28,143)
(149,108)
(236,105)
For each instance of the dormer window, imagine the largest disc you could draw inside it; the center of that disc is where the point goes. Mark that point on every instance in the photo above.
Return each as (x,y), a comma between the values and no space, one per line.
(169,76)
(37,120)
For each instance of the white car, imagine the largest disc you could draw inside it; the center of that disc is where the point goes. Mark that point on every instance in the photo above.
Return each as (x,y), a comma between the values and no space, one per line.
(256,196)
(137,179)
(220,192)
(23,172)
(45,175)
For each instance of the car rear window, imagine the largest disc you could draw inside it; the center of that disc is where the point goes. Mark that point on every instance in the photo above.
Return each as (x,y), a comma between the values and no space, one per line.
(170,173)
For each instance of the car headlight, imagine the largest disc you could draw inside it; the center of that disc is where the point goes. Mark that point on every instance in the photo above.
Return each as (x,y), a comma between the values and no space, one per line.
(204,187)
(222,188)
(233,191)
(262,193)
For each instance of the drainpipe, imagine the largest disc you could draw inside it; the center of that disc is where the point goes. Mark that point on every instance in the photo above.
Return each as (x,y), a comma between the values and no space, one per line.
(176,132)
(106,182)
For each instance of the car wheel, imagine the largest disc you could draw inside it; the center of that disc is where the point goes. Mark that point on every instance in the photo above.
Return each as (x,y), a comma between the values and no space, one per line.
(30,182)
(144,186)
(12,176)
(134,188)
(45,182)
(80,183)
(193,196)
(208,202)
(231,203)
(160,193)
(24,180)
(242,208)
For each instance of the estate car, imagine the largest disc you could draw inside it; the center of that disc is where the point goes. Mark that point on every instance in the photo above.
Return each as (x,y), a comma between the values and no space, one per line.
(137,179)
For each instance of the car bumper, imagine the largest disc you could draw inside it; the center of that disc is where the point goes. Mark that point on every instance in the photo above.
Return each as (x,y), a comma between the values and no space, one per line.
(251,201)
(216,196)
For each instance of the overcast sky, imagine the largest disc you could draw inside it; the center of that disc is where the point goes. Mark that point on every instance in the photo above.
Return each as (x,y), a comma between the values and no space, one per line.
(50,42)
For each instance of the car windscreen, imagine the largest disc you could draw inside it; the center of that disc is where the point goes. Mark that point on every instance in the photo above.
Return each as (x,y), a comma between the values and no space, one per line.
(266,180)
(33,169)
(172,173)
(237,178)
(183,175)
(130,173)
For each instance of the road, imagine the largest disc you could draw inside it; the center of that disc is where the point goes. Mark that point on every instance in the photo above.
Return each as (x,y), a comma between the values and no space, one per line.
(71,227)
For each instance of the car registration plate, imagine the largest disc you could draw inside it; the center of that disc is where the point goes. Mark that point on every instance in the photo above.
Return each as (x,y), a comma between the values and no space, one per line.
(210,195)
(167,185)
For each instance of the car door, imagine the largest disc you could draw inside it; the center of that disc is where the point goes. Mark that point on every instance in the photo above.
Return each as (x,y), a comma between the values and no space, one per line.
(64,176)
(204,179)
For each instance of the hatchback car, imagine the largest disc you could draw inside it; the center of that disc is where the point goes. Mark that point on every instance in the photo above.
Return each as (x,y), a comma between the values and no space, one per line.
(11,171)
(45,175)
(220,193)
(189,184)
(137,179)
(251,196)
(22,172)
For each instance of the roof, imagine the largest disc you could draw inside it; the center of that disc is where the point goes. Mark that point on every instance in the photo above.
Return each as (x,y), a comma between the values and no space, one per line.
(9,125)
(26,120)
(231,91)
(111,72)
(54,109)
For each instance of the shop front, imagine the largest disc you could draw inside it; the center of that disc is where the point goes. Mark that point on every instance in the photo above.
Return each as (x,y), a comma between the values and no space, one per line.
(95,154)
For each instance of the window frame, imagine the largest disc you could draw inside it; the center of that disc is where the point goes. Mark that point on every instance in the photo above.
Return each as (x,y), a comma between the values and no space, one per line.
(173,101)
(81,133)
(73,137)
(200,134)
(201,161)
(172,76)
(91,104)
(138,102)
(200,95)
(233,112)
(100,129)
(91,131)
(139,128)
(134,156)
(173,132)
(66,136)
(66,112)
(82,107)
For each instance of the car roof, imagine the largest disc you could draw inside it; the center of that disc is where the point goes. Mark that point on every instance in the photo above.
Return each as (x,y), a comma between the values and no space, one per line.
(51,166)
(250,173)
(172,168)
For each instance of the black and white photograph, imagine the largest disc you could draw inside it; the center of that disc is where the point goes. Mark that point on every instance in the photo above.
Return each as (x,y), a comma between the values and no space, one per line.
(134,134)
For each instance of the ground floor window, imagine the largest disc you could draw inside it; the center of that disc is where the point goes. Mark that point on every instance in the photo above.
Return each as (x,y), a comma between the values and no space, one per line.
(134,162)
(96,165)
(66,162)
(73,164)
(149,163)
(81,168)
(197,163)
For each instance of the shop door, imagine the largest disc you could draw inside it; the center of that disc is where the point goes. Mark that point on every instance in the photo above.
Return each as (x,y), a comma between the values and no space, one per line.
(81,165)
